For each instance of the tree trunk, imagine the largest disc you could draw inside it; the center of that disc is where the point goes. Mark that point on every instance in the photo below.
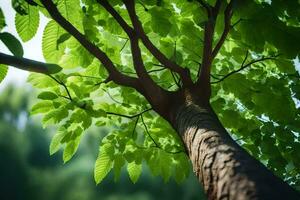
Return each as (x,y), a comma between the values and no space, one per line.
(225,170)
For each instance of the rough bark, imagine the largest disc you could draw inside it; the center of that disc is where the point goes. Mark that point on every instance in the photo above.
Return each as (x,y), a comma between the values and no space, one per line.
(225,170)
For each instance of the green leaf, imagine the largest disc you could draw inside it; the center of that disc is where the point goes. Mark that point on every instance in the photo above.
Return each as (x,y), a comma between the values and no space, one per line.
(20,6)
(181,168)
(119,162)
(64,37)
(56,142)
(47,95)
(41,107)
(161,24)
(27,25)
(3,72)
(53,68)
(51,51)
(41,81)
(104,162)
(12,43)
(166,165)
(2,20)
(71,149)
(55,116)
(134,171)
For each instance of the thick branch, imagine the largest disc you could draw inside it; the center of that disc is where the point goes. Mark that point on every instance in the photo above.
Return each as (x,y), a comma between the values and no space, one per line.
(116,16)
(114,74)
(203,82)
(29,65)
(140,69)
(227,27)
(183,72)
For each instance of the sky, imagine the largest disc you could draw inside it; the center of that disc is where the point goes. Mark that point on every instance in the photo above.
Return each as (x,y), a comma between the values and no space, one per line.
(32,48)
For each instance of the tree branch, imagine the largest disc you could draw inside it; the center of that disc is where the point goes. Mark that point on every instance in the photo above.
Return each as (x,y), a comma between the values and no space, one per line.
(114,74)
(129,116)
(64,85)
(244,67)
(203,82)
(29,65)
(146,128)
(148,84)
(227,27)
(207,7)
(116,16)
(183,72)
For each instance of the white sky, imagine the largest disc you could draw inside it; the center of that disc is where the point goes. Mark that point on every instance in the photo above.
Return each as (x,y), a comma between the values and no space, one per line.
(32,48)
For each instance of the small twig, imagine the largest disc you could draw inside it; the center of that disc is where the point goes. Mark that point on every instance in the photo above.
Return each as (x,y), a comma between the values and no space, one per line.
(156,70)
(175,80)
(62,84)
(111,97)
(246,56)
(236,23)
(124,45)
(135,124)
(129,116)
(149,72)
(64,97)
(244,66)
(148,132)
(215,77)
(156,144)
(105,81)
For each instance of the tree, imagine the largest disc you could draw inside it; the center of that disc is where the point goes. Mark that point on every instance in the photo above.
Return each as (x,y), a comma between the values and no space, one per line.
(123,64)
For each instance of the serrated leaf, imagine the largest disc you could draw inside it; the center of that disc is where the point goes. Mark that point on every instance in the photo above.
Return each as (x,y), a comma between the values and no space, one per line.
(181,168)
(71,149)
(104,162)
(55,142)
(47,95)
(12,43)
(134,171)
(41,107)
(51,51)
(3,72)
(27,25)
(55,116)
(41,80)
(119,162)
(2,20)
(166,165)
(154,164)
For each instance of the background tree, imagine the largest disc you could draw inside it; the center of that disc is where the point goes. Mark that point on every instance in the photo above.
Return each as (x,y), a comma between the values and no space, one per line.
(132,52)
(28,172)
